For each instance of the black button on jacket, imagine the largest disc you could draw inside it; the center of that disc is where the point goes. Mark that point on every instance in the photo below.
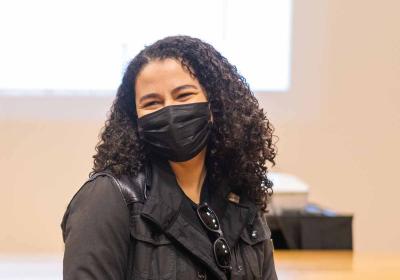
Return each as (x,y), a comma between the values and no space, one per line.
(127,229)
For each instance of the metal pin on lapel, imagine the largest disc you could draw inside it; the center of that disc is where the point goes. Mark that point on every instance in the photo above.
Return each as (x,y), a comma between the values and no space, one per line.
(233,197)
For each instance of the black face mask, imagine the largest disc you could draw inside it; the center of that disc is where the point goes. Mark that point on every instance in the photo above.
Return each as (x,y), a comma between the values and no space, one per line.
(176,132)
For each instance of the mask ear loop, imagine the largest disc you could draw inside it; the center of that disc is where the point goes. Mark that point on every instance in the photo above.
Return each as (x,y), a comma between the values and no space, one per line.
(210,120)
(210,123)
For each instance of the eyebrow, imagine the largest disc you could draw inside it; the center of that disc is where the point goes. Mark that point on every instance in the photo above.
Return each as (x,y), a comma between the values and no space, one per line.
(153,94)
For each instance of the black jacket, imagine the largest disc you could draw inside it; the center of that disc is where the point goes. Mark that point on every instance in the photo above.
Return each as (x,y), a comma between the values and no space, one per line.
(141,228)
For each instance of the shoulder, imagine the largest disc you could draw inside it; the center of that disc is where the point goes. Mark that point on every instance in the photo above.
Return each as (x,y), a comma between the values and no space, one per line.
(131,188)
(98,200)
(260,226)
(97,189)
(96,231)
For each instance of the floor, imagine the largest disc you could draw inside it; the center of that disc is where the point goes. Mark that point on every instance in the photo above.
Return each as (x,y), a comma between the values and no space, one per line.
(30,267)
(299,265)
(343,265)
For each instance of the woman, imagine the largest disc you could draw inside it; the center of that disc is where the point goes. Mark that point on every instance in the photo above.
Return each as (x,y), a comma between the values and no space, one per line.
(179,186)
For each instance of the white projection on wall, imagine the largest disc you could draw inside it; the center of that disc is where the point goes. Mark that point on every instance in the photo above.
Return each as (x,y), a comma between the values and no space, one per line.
(86,45)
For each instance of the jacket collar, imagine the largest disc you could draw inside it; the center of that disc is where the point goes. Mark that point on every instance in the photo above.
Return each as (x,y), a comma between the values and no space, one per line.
(163,207)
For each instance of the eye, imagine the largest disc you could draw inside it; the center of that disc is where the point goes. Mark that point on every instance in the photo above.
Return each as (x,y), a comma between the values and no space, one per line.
(150,103)
(185,94)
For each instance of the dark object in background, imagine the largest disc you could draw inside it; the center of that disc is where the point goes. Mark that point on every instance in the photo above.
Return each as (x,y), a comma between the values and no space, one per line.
(311,228)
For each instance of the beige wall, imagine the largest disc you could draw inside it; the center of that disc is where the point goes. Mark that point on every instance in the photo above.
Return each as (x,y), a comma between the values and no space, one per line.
(338,128)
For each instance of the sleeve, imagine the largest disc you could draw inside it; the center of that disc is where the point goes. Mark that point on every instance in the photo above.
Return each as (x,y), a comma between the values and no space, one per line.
(268,271)
(95,230)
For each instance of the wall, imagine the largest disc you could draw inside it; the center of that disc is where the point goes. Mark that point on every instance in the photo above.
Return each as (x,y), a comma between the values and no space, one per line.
(338,128)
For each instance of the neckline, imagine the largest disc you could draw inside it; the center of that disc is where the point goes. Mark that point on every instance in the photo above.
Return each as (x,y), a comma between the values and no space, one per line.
(164,164)
(204,192)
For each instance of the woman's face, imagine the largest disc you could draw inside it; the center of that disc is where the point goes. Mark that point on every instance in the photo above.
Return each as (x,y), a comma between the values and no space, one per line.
(163,83)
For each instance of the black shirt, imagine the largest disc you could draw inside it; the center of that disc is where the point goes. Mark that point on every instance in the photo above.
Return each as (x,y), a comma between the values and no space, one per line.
(190,207)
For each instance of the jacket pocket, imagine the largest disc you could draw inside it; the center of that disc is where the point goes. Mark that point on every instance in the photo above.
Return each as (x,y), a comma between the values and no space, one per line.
(154,255)
(252,246)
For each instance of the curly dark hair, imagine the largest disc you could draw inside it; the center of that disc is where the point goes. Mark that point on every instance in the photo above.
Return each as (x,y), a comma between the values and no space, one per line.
(240,141)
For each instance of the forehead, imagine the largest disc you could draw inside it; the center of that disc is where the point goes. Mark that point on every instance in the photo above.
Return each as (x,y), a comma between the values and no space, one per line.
(162,75)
